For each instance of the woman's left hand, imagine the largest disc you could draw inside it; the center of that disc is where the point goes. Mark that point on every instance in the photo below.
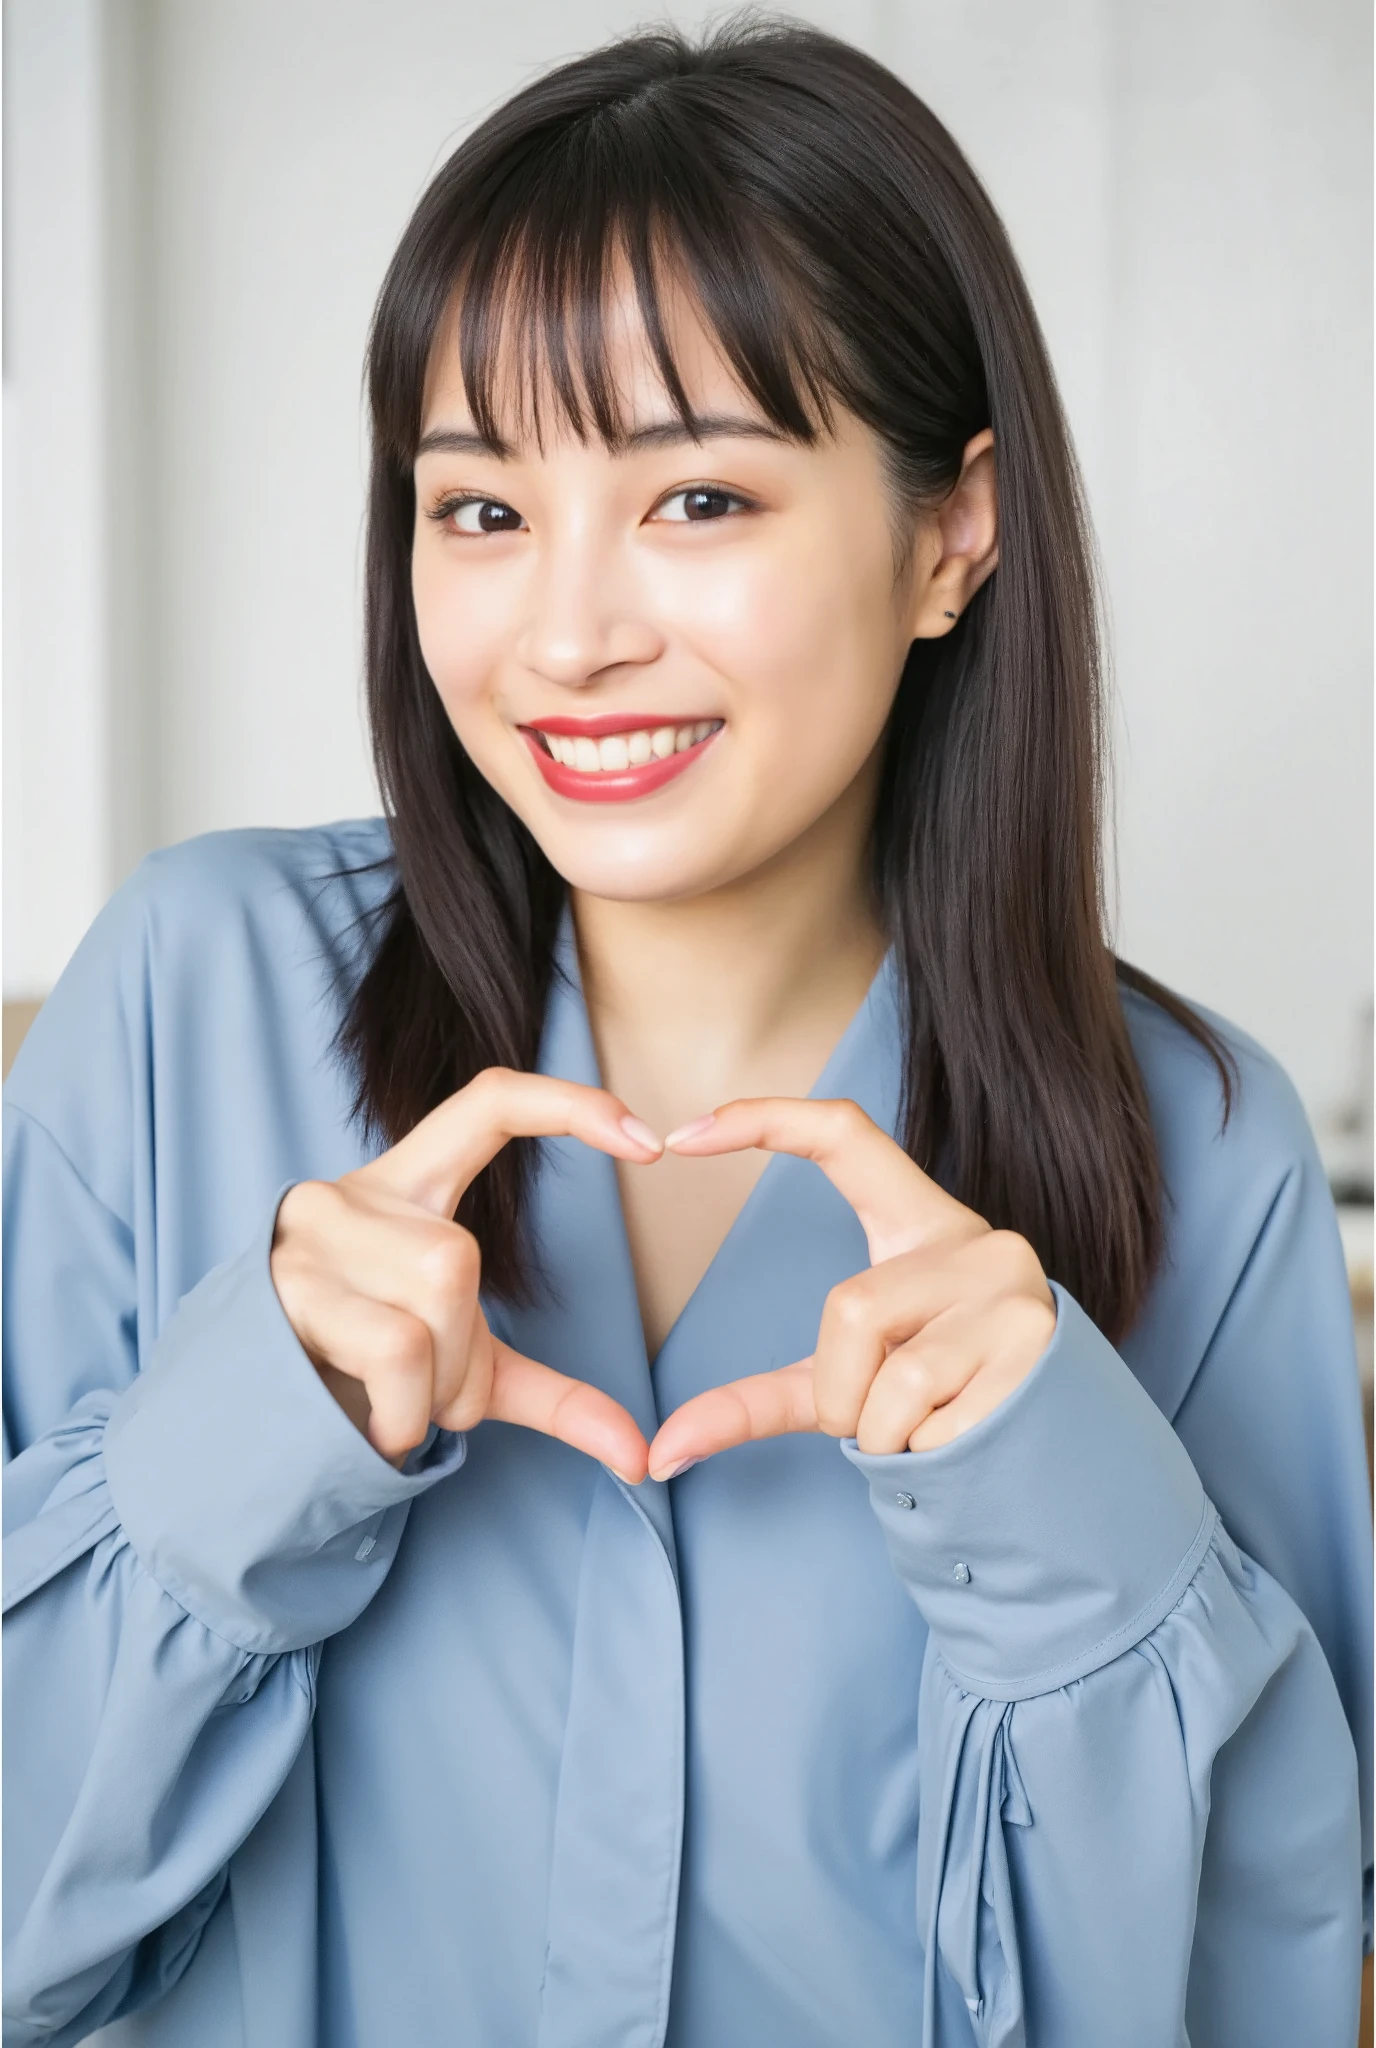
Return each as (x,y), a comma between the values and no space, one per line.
(949,1318)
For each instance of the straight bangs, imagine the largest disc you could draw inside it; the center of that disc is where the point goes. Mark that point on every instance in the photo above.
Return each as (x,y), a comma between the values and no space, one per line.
(535,301)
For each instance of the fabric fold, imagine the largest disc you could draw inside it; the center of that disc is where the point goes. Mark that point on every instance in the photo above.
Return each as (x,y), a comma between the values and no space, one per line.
(76,1508)
(1119,1802)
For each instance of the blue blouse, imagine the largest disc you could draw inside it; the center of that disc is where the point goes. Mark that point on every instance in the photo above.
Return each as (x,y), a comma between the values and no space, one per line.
(1046,1736)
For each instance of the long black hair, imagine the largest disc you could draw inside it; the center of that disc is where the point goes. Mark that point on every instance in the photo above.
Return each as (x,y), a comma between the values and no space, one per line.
(843,251)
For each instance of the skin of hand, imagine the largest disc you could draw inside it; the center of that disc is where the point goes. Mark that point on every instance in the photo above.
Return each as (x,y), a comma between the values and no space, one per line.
(949,1318)
(381,1285)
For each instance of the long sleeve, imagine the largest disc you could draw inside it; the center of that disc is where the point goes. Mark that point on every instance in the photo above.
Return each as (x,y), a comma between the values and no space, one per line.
(178,1544)
(1138,1784)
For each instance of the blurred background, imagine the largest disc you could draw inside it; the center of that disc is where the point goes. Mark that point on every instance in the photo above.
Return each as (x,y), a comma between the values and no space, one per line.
(200,197)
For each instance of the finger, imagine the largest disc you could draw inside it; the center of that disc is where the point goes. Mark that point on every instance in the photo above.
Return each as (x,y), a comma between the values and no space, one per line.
(406,1259)
(766,1404)
(388,1351)
(899,1205)
(865,1317)
(980,1396)
(1015,1335)
(436,1162)
(916,1379)
(537,1397)
(464,1403)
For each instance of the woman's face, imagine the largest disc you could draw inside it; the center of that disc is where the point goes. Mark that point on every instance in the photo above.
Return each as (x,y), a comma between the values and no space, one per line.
(671,660)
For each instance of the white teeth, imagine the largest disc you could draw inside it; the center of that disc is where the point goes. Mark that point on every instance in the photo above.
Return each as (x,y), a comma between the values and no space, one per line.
(622,750)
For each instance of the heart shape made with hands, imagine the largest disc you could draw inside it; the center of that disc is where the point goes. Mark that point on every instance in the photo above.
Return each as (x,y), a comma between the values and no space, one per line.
(381,1286)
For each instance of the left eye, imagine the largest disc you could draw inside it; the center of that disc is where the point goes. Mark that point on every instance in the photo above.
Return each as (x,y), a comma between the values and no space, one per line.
(483,515)
(696,503)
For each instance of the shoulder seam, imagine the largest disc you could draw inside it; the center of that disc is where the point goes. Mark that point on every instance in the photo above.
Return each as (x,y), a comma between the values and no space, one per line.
(18,1109)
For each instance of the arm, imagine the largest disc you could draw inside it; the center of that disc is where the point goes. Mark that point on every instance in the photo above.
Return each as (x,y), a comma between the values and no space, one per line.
(1138,1785)
(191,1511)
(184,1536)
(176,1548)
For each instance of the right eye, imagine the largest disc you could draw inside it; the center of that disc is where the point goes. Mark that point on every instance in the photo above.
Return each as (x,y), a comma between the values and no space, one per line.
(479,515)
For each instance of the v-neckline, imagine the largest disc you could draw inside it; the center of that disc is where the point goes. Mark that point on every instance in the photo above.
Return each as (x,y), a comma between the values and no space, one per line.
(568,969)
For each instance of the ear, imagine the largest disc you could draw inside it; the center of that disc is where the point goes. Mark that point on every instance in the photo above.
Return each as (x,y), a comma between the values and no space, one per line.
(957,544)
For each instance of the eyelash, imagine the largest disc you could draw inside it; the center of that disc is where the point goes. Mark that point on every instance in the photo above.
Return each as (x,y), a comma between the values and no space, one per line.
(447,507)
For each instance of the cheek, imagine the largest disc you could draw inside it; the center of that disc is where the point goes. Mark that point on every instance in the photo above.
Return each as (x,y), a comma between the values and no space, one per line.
(809,642)
(459,626)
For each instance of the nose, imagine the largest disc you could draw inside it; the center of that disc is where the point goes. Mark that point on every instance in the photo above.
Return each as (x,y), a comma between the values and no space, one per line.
(584,616)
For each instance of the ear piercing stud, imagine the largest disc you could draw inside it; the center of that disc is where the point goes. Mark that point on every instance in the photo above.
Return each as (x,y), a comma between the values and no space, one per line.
(948,615)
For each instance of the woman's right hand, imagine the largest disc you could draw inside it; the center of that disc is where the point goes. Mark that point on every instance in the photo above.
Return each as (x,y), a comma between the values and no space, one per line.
(381,1285)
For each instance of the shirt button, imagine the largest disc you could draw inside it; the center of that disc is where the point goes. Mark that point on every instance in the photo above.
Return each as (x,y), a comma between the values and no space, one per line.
(961,1574)
(366,1548)
(905,1500)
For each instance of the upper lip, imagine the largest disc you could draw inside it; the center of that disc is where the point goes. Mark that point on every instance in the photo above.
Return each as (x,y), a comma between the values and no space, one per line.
(606,723)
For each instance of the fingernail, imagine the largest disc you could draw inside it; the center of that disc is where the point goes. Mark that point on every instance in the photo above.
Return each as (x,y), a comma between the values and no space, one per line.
(693,1130)
(674,1470)
(624,1477)
(641,1133)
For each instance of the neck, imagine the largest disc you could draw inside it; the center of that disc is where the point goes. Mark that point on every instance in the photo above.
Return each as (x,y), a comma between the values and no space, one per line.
(717,990)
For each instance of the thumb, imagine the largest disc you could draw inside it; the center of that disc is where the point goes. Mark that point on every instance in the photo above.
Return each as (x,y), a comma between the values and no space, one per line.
(537,1397)
(776,1403)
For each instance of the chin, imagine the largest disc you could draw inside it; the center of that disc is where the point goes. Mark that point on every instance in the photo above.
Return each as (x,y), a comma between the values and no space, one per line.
(668,851)
(632,878)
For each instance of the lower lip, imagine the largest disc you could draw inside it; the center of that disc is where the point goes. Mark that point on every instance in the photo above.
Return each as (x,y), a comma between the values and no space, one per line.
(613,786)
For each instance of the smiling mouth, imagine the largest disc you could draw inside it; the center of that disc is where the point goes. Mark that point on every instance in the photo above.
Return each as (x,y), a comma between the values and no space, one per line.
(609,760)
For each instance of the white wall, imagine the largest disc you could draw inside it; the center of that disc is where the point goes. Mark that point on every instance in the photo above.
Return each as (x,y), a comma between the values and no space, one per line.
(56,667)
(1238,514)
(1188,185)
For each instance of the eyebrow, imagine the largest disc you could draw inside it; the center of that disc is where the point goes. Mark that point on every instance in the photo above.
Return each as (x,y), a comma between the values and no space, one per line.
(655,434)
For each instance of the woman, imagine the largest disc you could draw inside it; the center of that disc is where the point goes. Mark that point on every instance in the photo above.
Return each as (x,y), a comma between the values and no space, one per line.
(439,1609)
